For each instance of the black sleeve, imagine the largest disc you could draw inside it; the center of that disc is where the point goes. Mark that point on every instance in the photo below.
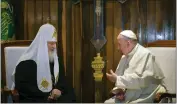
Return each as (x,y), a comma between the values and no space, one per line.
(68,94)
(61,84)
(25,79)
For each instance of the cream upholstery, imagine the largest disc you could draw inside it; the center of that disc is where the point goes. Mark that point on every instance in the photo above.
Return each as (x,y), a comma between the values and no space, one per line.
(166,58)
(12,54)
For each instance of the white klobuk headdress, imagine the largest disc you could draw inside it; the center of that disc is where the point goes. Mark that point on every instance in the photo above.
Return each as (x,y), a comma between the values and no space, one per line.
(38,51)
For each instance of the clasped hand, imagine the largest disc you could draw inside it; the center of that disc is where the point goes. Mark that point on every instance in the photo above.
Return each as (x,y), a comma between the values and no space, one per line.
(54,94)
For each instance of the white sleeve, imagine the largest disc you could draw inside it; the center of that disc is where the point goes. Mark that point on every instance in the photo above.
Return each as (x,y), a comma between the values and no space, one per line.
(129,81)
(137,80)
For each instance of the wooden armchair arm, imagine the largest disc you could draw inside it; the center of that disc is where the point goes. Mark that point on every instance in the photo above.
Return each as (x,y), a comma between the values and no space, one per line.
(13,93)
(161,96)
(119,93)
(15,96)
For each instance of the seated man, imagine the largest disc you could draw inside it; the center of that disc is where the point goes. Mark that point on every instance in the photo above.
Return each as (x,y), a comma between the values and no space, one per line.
(137,77)
(39,75)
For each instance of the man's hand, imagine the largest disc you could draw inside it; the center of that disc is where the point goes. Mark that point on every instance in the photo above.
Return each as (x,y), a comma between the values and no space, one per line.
(55,94)
(112,76)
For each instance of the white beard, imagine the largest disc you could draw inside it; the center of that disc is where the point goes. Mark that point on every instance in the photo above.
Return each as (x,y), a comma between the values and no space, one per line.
(51,56)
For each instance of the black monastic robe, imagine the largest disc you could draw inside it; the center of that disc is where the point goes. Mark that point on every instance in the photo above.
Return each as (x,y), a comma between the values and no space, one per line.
(26,84)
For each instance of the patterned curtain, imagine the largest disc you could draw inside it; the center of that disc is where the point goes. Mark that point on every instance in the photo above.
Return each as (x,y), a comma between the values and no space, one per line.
(7,21)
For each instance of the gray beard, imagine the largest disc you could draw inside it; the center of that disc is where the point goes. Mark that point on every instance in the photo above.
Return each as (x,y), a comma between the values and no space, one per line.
(51,56)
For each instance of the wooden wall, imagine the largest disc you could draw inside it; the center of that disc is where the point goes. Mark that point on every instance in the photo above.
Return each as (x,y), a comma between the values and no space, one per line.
(31,14)
(88,52)
(150,19)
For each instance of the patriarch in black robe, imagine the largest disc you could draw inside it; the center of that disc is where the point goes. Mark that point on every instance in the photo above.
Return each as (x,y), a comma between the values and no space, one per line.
(39,76)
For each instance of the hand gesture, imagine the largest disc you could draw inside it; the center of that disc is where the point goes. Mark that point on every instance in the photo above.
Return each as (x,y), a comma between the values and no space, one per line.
(112,76)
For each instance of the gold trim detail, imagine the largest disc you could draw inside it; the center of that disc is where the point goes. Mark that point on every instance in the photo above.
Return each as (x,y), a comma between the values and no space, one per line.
(4,5)
(55,35)
(44,83)
(98,64)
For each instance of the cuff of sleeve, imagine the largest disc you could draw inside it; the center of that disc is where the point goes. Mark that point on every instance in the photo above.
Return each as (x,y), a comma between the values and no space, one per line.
(119,83)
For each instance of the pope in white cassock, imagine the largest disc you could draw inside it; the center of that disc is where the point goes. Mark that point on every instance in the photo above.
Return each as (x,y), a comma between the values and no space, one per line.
(137,74)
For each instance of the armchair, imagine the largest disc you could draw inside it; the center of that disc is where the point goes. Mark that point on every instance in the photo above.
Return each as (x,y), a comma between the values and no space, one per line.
(165,52)
(11,52)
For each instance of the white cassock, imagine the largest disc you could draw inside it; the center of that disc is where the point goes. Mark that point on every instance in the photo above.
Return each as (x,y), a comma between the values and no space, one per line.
(140,75)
